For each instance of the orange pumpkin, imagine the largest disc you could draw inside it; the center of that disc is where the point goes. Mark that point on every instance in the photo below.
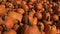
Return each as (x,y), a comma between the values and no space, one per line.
(55,18)
(3,10)
(38,15)
(39,6)
(25,7)
(20,10)
(9,22)
(50,29)
(30,30)
(24,2)
(15,15)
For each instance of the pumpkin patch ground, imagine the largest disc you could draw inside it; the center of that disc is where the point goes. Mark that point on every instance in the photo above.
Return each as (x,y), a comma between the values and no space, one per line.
(29,16)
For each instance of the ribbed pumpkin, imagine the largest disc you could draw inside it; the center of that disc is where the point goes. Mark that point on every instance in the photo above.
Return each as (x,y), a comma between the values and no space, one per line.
(30,29)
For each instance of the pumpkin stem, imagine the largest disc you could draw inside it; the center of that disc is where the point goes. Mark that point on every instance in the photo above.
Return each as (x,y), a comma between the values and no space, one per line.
(7,29)
(29,23)
(48,18)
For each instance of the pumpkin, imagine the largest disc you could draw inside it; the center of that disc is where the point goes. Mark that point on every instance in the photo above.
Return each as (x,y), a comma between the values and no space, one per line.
(16,16)
(38,15)
(55,18)
(39,6)
(24,2)
(3,10)
(50,29)
(30,29)
(9,22)
(20,10)
(7,30)
(25,7)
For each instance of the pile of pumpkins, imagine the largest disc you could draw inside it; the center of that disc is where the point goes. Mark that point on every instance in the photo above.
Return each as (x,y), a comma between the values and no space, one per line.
(29,16)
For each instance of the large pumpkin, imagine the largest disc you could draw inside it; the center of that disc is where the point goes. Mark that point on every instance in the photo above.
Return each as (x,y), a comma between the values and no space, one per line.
(30,29)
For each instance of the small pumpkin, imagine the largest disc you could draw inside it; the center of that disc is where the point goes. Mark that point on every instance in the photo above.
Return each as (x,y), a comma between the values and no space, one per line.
(39,6)
(25,7)
(38,15)
(55,18)
(20,10)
